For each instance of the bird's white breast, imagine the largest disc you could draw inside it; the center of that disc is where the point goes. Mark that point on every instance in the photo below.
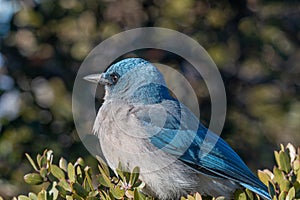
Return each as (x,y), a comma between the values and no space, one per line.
(123,139)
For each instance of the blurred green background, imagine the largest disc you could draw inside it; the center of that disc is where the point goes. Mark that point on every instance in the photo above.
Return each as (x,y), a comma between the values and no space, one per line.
(254,43)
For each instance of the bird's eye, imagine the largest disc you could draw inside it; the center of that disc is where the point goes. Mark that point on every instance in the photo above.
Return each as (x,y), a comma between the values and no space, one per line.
(114,77)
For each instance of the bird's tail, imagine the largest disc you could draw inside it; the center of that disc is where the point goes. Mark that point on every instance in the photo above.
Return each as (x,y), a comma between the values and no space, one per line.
(261,190)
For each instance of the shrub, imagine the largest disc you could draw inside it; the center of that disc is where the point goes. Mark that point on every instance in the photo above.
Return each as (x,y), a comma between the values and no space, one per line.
(78,181)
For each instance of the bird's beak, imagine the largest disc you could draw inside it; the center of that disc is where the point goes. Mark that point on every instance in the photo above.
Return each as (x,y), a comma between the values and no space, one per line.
(97,78)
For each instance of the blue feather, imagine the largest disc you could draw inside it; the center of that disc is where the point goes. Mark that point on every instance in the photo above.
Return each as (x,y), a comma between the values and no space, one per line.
(201,149)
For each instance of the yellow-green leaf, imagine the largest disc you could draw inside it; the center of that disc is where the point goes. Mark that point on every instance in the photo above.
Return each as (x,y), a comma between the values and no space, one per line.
(42,195)
(134,175)
(88,180)
(80,162)
(103,166)
(296,166)
(32,196)
(69,197)
(138,195)
(23,197)
(272,190)
(284,161)
(79,190)
(198,197)
(279,177)
(62,191)
(129,194)
(104,180)
(240,195)
(63,183)
(117,192)
(265,178)
(282,195)
(31,162)
(63,164)
(57,172)
(92,198)
(43,172)
(291,194)
(71,172)
(33,179)
(120,174)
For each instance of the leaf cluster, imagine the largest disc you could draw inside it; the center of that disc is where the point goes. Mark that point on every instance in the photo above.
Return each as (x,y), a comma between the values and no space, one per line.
(284,181)
(78,181)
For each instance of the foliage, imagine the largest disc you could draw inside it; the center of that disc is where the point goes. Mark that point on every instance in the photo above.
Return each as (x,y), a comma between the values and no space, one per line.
(255,45)
(284,180)
(77,180)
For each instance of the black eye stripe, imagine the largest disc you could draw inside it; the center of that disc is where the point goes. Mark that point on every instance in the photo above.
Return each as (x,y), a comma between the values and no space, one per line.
(114,77)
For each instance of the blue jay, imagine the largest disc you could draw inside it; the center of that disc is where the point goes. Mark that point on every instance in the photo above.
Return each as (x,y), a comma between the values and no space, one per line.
(141,124)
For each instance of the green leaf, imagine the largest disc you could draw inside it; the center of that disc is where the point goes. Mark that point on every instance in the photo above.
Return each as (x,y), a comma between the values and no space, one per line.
(31,162)
(43,172)
(88,179)
(80,162)
(297,189)
(57,172)
(79,190)
(291,194)
(282,195)
(129,194)
(79,174)
(43,161)
(68,197)
(92,198)
(127,176)
(276,155)
(71,172)
(63,164)
(281,147)
(77,197)
(63,183)
(104,180)
(138,195)
(23,197)
(62,191)
(198,197)
(33,179)
(265,178)
(120,174)
(103,166)
(38,160)
(249,194)
(49,155)
(42,195)
(284,161)
(279,177)
(296,166)
(190,197)
(104,195)
(117,192)
(272,190)
(134,176)
(240,195)
(32,196)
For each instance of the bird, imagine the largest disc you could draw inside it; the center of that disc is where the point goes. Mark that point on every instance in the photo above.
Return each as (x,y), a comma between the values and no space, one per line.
(141,124)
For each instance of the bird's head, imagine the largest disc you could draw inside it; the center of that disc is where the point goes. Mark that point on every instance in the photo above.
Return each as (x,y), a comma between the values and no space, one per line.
(133,79)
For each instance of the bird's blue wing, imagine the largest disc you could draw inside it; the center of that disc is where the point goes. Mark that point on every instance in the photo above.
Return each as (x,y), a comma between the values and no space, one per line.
(198,147)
